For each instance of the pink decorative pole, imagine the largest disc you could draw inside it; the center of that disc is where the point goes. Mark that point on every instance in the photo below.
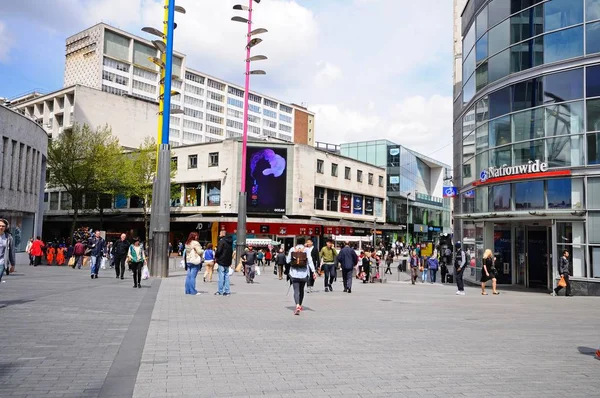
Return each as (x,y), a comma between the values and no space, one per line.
(246,98)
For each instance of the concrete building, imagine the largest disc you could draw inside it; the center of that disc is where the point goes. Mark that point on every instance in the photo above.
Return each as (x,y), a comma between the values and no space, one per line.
(316,193)
(526,147)
(23,151)
(107,59)
(414,195)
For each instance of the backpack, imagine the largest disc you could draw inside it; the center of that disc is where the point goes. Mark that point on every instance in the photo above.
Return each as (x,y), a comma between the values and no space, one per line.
(299,259)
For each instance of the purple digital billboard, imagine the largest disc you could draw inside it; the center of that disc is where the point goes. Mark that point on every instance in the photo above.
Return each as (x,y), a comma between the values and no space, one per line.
(266,180)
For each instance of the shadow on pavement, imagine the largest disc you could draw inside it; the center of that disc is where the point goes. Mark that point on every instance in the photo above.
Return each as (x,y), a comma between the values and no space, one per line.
(8,303)
(587,351)
(304,308)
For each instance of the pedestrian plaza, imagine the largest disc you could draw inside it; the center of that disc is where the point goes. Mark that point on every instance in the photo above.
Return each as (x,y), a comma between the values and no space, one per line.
(65,335)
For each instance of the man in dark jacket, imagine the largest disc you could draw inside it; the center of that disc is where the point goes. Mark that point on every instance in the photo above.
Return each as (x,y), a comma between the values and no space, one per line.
(223,258)
(348,259)
(97,244)
(120,249)
(249,258)
(563,270)
(280,262)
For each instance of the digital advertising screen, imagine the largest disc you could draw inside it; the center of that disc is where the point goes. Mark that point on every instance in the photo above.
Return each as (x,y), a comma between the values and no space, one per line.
(266,179)
(368,206)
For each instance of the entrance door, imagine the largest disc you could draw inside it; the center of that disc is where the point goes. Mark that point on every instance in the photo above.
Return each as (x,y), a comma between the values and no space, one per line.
(537,257)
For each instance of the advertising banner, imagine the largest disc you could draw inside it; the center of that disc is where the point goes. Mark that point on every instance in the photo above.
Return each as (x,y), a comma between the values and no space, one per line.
(368,206)
(346,203)
(266,180)
(358,204)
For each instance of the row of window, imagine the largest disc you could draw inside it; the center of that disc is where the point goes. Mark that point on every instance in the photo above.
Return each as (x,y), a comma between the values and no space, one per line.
(19,166)
(193,195)
(345,202)
(113,77)
(113,90)
(213,160)
(145,74)
(347,172)
(111,63)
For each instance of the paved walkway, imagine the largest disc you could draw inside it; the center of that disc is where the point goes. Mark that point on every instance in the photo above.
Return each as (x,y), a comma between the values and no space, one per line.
(65,335)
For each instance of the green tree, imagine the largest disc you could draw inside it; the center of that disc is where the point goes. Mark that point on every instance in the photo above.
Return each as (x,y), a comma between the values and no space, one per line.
(84,161)
(141,170)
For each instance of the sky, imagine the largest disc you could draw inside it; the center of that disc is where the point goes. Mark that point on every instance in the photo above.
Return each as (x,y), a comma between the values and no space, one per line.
(369,69)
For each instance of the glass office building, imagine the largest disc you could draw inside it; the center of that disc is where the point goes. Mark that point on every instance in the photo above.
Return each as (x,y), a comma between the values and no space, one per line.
(527,139)
(414,190)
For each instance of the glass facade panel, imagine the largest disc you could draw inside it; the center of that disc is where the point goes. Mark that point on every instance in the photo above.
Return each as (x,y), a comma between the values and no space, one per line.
(563,86)
(141,52)
(592,32)
(481,76)
(527,94)
(469,41)
(592,10)
(481,200)
(562,13)
(482,110)
(594,227)
(469,90)
(529,195)
(482,22)
(559,193)
(501,156)
(498,10)
(500,131)
(563,44)
(565,151)
(564,119)
(469,66)
(593,148)
(528,125)
(116,46)
(526,24)
(481,50)
(482,162)
(520,58)
(500,197)
(499,66)
(593,115)
(499,37)
(481,137)
(593,81)
(527,151)
(499,102)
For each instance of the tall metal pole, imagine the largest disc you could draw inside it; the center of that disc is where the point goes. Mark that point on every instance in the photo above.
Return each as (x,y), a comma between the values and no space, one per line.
(163,57)
(242,204)
(160,235)
(406,243)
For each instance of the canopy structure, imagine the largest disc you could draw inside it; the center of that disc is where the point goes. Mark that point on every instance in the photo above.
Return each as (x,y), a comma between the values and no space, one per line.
(348,238)
(261,242)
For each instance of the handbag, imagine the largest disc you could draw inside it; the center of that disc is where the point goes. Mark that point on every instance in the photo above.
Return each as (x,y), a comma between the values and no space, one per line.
(238,268)
(71,262)
(562,282)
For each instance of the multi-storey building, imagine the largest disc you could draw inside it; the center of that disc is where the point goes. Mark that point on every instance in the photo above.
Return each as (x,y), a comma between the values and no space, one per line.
(106,59)
(526,147)
(307,192)
(416,209)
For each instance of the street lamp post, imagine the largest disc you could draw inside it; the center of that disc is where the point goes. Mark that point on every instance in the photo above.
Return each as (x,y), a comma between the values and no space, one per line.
(242,196)
(407,213)
(161,215)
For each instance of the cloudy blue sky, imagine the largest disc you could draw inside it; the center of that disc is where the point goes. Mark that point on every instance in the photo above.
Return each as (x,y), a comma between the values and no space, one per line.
(368,68)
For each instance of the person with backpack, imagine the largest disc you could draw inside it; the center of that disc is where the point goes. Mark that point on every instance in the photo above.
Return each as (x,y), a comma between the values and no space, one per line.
(432,264)
(193,260)
(348,259)
(301,268)
(460,263)
(328,255)
(249,259)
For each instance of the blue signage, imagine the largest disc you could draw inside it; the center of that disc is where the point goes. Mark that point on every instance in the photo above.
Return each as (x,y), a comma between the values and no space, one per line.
(450,192)
(357,204)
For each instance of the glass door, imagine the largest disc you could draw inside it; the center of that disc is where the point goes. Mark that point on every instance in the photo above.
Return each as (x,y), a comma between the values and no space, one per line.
(521,256)
(537,259)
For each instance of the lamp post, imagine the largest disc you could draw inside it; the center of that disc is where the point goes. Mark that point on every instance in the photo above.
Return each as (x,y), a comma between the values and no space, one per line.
(160,213)
(242,197)
(407,213)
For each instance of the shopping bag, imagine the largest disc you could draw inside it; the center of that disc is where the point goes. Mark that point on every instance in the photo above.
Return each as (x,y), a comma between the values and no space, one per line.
(182,264)
(103,263)
(145,273)
(562,282)
(257,270)
(71,262)
(230,272)
(238,268)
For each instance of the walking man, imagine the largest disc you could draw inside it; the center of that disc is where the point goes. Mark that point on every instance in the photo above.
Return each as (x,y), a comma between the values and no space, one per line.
(223,258)
(280,261)
(97,245)
(348,259)
(120,250)
(314,254)
(563,270)
(7,249)
(250,258)
(460,262)
(328,255)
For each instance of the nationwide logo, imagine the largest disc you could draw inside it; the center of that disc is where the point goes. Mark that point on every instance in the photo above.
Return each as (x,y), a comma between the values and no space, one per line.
(531,167)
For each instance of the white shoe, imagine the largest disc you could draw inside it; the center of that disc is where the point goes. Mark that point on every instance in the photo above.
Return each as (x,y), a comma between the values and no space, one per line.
(462,293)
(197,294)
(458,292)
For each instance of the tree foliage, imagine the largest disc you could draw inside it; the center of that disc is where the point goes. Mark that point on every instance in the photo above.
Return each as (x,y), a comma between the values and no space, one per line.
(82,160)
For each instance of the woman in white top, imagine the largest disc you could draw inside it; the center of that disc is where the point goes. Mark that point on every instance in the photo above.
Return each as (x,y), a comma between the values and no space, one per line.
(193,259)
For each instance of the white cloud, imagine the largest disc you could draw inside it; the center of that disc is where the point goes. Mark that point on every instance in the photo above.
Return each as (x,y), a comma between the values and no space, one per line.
(327,72)
(5,43)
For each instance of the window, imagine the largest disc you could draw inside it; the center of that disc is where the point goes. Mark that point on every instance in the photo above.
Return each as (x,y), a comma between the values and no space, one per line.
(500,197)
(528,94)
(559,193)
(593,38)
(214,119)
(285,108)
(332,200)
(370,179)
(562,13)
(500,131)
(560,45)
(319,198)
(359,175)
(469,41)
(334,169)
(145,87)
(116,46)
(501,156)
(593,115)
(593,81)
(141,53)
(253,119)
(563,86)
(213,159)
(499,37)
(381,181)
(233,134)
(527,151)
(499,66)
(236,92)
(283,127)
(216,97)
(192,125)
(498,10)
(319,166)
(191,137)
(193,113)
(113,90)
(235,102)
(564,119)
(215,84)
(527,125)
(254,108)
(529,195)
(270,113)
(113,77)
(235,113)
(193,195)
(214,107)
(193,101)
(213,193)
(269,133)
(174,162)
(285,118)
(270,124)
(254,98)
(499,103)
(214,130)
(194,78)
(482,23)
(66,201)
(347,173)
(145,74)
(194,90)
(271,104)
(235,124)
(111,63)
(192,161)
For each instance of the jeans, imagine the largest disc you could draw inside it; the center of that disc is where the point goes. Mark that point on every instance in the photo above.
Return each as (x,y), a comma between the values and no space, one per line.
(1,272)
(424,275)
(249,272)
(298,290)
(223,279)
(347,277)
(459,279)
(96,261)
(190,279)
(78,262)
(433,275)
(120,265)
(137,272)
(329,274)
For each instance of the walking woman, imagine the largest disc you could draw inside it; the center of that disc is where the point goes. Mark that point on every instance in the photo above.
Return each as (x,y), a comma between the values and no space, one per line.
(136,260)
(209,262)
(193,259)
(488,272)
(301,264)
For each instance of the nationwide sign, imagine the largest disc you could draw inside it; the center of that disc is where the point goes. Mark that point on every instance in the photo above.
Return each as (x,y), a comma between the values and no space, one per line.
(533,169)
